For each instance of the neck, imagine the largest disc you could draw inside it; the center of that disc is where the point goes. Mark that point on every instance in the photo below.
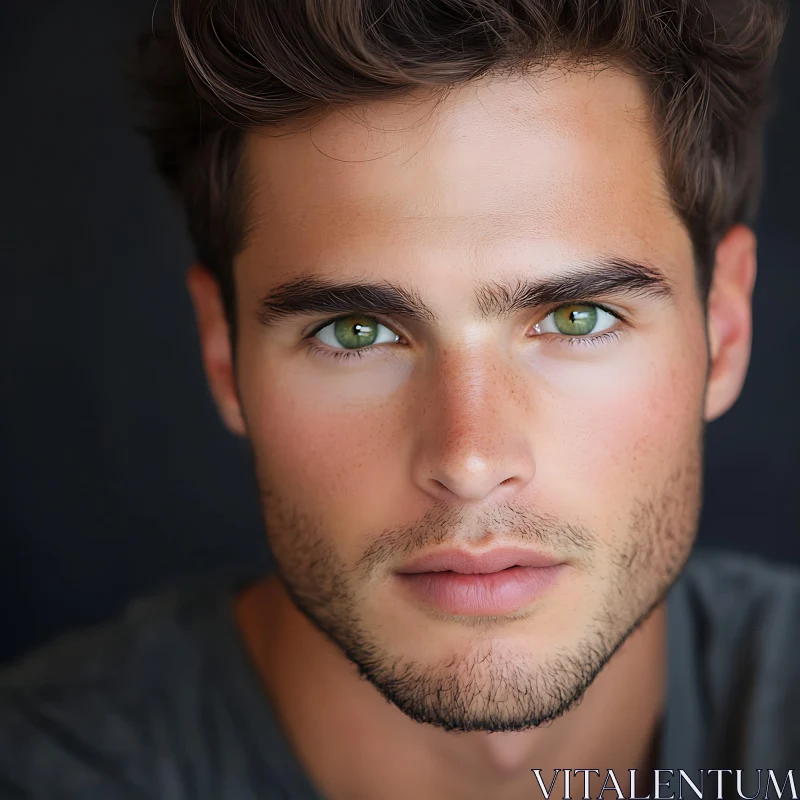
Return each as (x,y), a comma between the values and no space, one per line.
(353,744)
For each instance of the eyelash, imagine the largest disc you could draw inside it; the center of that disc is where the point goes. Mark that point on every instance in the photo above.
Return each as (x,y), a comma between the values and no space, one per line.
(348,355)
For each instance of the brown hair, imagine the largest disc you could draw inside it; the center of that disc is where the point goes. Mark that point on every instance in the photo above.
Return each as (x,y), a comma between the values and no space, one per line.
(220,67)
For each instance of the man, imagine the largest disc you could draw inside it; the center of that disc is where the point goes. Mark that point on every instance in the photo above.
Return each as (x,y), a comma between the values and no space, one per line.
(471,278)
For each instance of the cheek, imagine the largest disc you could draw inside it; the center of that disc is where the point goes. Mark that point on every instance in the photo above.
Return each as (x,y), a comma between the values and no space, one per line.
(322,442)
(615,431)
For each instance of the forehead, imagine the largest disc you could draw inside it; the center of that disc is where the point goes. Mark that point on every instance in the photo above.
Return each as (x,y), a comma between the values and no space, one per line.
(555,165)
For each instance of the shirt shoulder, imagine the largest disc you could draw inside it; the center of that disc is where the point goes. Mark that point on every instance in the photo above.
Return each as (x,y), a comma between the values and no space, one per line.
(737,629)
(115,711)
(746,598)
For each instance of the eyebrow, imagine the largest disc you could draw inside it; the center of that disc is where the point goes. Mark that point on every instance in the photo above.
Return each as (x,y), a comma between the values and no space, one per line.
(318,294)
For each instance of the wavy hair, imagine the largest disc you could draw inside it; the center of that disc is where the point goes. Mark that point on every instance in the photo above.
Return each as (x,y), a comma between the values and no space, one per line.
(213,69)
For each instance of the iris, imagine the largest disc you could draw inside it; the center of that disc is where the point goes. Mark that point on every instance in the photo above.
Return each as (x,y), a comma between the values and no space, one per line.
(575,320)
(355,331)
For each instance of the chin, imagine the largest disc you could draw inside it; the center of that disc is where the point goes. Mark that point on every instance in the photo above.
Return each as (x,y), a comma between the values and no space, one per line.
(489,685)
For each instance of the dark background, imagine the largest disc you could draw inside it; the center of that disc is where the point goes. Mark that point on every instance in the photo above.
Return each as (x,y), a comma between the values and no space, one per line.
(117,476)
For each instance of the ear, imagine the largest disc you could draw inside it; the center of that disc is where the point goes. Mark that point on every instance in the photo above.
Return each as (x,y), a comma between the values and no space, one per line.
(215,345)
(730,319)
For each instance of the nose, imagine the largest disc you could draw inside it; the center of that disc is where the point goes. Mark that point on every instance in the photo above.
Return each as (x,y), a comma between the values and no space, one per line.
(475,440)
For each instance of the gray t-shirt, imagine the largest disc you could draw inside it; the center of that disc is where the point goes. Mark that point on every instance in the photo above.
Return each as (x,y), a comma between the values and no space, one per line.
(165,704)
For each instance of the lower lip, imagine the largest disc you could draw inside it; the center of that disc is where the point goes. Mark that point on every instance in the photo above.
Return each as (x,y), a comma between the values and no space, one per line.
(489,593)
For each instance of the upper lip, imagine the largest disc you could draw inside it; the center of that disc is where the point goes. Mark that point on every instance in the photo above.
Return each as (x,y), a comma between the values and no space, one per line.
(474,563)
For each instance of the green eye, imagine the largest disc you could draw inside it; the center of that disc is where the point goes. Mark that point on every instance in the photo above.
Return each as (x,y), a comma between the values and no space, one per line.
(575,320)
(354,332)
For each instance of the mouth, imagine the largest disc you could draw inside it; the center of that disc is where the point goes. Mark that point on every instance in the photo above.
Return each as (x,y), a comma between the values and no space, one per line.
(497,582)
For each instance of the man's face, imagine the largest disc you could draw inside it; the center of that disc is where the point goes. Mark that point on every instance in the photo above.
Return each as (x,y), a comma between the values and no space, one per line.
(534,378)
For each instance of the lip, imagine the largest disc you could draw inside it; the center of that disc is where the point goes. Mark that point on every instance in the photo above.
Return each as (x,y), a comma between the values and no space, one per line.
(495,583)
(479,563)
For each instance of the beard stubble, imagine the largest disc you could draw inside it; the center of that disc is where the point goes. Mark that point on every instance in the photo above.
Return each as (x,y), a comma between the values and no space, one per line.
(491,688)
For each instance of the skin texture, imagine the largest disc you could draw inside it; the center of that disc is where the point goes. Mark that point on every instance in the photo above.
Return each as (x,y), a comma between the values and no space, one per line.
(472,431)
